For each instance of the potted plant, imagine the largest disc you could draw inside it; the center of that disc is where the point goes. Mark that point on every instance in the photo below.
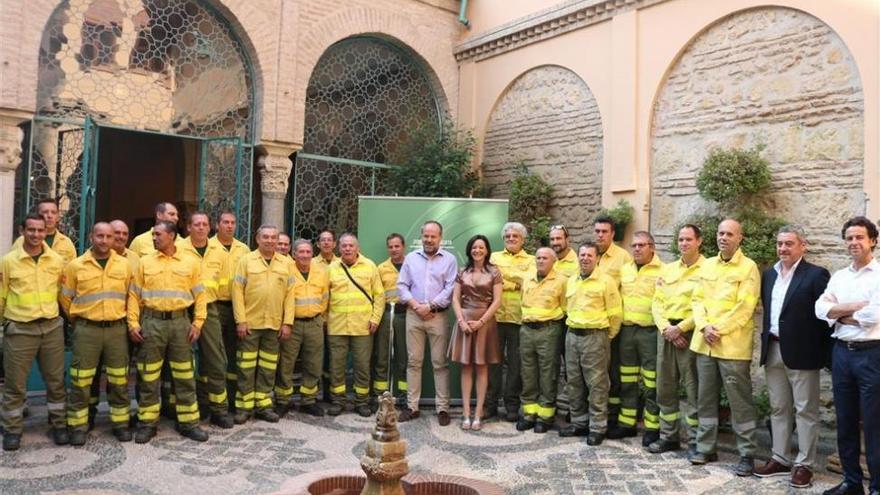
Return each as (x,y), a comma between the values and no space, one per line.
(622,214)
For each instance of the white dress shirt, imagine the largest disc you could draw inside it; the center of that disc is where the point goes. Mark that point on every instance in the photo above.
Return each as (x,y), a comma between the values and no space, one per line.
(777,297)
(849,285)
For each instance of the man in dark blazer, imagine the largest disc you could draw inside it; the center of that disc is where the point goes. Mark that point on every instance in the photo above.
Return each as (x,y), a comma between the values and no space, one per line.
(795,345)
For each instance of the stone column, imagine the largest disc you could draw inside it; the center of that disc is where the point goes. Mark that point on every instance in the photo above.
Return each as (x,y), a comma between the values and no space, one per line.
(274,166)
(10,158)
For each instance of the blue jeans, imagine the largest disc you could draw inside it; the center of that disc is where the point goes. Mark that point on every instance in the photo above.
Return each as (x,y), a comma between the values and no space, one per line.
(856,380)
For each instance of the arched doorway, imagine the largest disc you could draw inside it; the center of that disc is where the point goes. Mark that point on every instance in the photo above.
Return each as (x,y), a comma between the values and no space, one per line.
(365,95)
(139,102)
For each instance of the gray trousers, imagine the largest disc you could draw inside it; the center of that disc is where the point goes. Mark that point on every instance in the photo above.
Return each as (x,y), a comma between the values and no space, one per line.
(794,399)
(714,373)
(676,368)
(587,353)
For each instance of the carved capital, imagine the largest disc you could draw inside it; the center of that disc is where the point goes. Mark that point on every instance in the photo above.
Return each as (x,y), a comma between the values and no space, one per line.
(10,139)
(274,172)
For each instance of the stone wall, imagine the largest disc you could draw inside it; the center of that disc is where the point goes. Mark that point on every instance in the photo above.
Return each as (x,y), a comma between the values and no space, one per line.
(775,76)
(548,119)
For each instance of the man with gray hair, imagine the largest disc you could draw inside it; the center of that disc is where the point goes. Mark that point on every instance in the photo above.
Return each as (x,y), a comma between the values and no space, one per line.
(516,266)
(795,345)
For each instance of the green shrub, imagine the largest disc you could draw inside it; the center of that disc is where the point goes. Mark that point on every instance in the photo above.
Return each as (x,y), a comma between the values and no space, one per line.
(436,163)
(529,200)
(622,214)
(729,176)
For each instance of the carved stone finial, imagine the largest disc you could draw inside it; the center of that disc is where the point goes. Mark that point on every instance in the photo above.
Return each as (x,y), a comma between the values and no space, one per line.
(386,420)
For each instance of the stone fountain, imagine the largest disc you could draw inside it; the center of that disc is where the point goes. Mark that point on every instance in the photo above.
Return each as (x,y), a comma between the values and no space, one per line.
(384,462)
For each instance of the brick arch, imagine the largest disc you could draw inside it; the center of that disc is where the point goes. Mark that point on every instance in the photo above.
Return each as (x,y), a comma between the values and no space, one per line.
(251,25)
(769,75)
(437,58)
(547,117)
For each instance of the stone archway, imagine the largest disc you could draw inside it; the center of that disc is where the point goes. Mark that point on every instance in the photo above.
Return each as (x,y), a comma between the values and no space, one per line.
(549,120)
(773,76)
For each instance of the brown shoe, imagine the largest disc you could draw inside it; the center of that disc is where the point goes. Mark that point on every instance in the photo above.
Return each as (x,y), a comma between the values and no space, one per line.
(771,469)
(443,418)
(802,477)
(408,415)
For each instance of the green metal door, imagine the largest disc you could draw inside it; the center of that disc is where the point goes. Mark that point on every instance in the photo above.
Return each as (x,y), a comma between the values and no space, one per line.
(225,180)
(61,164)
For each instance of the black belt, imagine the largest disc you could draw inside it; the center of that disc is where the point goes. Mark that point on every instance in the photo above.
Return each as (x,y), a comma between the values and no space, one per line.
(165,315)
(581,332)
(439,310)
(307,319)
(859,345)
(774,338)
(224,303)
(101,324)
(400,308)
(535,325)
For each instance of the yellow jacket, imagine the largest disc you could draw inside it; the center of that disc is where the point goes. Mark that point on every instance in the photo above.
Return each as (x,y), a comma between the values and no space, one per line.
(612,260)
(725,297)
(544,300)
(568,265)
(350,310)
(212,264)
(61,244)
(167,283)
(95,293)
(262,293)
(311,296)
(320,262)
(28,288)
(515,269)
(236,251)
(143,243)
(133,259)
(637,291)
(672,297)
(594,303)
(388,273)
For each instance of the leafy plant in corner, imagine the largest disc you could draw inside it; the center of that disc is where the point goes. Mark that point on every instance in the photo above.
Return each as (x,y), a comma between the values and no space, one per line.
(622,213)
(435,162)
(529,200)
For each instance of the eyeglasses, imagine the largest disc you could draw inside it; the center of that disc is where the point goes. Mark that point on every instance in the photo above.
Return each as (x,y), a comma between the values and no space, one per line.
(559,227)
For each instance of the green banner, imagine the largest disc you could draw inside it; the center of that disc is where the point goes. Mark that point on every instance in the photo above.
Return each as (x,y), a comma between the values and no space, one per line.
(461,219)
(379,216)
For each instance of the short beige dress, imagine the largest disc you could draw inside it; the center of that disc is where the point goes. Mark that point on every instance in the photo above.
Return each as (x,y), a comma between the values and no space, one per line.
(480,347)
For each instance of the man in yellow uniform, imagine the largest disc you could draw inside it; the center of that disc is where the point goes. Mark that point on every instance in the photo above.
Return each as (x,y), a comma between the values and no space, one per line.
(143,244)
(724,303)
(120,241)
(543,312)
(611,260)
(30,276)
(384,364)
(326,256)
(516,266)
(638,342)
(566,265)
(326,248)
(283,246)
(212,258)
(311,295)
(164,287)
(594,316)
(263,303)
(676,364)
(357,300)
(226,224)
(57,241)
(93,296)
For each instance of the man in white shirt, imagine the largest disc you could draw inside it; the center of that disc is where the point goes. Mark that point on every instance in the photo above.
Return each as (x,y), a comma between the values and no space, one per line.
(852,304)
